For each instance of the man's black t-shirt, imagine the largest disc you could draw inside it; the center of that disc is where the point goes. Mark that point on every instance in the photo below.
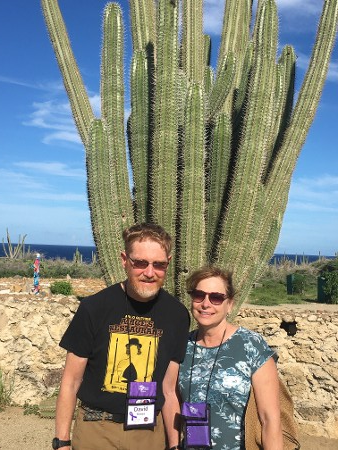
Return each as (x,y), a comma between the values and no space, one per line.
(125,340)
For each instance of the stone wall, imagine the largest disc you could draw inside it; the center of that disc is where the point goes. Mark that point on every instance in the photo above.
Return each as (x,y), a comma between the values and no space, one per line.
(307,345)
(306,342)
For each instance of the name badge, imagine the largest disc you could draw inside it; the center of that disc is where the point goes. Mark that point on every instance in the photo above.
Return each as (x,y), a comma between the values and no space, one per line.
(141,415)
(140,408)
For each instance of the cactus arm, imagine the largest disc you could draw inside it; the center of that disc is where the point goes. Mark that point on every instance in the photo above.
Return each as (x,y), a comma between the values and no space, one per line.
(79,101)
(235,31)
(143,23)
(191,239)
(293,139)
(193,40)
(310,93)
(107,217)
(222,85)
(219,169)
(4,248)
(285,88)
(242,89)
(277,187)
(208,80)
(206,49)
(112,105)
(13,251)
(163,182)
(246,189)
(139,132)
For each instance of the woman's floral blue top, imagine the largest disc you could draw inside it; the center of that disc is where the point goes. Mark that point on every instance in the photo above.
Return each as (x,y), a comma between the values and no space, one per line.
(238,359)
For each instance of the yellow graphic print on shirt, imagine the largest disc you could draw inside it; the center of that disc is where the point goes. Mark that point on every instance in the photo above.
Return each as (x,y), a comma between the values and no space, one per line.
(132,353)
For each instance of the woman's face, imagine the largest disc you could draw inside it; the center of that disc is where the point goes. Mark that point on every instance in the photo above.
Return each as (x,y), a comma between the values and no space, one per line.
(205,313)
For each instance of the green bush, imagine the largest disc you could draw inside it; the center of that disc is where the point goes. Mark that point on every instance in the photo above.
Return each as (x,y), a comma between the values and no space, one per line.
(298,283)
(49,268)
(61,287)
(6,389)
(30,409)
(331,286)
(329,272)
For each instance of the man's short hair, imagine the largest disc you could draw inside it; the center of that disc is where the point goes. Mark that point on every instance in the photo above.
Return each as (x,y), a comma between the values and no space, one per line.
(146,231)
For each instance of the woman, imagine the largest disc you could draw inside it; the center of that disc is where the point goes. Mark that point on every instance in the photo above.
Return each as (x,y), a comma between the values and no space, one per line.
(223,361)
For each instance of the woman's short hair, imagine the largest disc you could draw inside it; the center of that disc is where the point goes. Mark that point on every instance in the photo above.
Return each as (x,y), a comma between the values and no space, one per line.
(211,272)
(144,231)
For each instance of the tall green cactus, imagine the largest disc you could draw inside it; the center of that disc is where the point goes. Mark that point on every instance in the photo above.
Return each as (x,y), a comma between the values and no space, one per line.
(212,151)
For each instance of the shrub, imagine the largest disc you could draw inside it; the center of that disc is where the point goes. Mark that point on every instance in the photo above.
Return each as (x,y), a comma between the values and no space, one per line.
(298,283)
(6,389)
(30,409)
(331,286)
(329,273)
(61,287)
(49,268)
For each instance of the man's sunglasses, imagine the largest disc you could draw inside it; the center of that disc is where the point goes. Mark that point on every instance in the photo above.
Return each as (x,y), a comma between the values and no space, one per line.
(215,298)
(143,264)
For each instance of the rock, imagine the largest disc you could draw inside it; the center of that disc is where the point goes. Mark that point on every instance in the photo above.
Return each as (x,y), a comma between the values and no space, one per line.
(312,318)
(31,327)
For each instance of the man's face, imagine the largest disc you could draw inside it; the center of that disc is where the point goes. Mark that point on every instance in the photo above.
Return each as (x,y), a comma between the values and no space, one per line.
(144,284)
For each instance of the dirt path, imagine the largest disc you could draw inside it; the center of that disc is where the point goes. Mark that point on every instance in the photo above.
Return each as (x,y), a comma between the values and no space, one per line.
(19,431)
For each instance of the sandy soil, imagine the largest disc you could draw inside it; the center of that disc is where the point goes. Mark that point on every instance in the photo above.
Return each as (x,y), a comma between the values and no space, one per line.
(29,431)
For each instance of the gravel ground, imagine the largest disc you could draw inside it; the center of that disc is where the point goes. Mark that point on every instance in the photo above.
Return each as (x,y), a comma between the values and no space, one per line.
(19,431)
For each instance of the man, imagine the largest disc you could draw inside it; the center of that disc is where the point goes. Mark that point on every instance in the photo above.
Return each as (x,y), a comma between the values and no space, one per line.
(126,336)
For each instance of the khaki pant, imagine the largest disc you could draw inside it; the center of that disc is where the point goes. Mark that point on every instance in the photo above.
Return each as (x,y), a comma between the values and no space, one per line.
(108,435)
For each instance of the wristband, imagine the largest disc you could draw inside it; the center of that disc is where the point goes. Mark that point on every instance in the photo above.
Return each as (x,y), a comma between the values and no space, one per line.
(175,447)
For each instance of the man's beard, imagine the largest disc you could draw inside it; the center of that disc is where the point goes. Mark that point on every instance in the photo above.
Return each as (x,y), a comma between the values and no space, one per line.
(145,291)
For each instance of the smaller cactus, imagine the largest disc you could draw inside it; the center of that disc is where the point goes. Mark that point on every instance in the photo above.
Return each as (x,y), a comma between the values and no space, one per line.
(77,257)
(14,251)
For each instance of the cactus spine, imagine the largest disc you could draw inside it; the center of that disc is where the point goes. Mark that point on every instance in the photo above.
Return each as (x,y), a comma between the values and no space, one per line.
(212,152)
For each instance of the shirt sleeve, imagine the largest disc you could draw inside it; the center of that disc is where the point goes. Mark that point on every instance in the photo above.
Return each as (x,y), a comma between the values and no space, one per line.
(258,351)
(78,338)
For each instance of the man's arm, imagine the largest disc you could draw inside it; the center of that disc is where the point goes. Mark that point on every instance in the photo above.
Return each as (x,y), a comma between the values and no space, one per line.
(171,407)
(66,402)
(266,387)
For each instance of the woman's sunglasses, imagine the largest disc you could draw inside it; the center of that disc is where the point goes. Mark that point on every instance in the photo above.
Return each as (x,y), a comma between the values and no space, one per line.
(215,298)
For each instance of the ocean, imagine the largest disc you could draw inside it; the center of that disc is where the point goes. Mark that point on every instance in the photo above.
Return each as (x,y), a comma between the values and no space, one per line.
(67,252)
(58,251)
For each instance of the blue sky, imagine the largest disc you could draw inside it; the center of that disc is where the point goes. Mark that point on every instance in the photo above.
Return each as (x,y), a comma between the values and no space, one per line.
(42,161)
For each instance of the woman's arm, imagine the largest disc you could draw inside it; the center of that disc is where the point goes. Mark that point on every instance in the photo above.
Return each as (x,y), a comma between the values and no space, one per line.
(266,388)
(171,407)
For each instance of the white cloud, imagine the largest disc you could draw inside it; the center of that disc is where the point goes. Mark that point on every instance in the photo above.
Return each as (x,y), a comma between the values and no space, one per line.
(95,101)
(214,11)
(52,224)
(13,182)
(54,115)
(311,218)
(37,184)
(52,168)
(58,197)
(213,16)
(70,137)
(50,87)
(305,7)
(333,71)
(314,194)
